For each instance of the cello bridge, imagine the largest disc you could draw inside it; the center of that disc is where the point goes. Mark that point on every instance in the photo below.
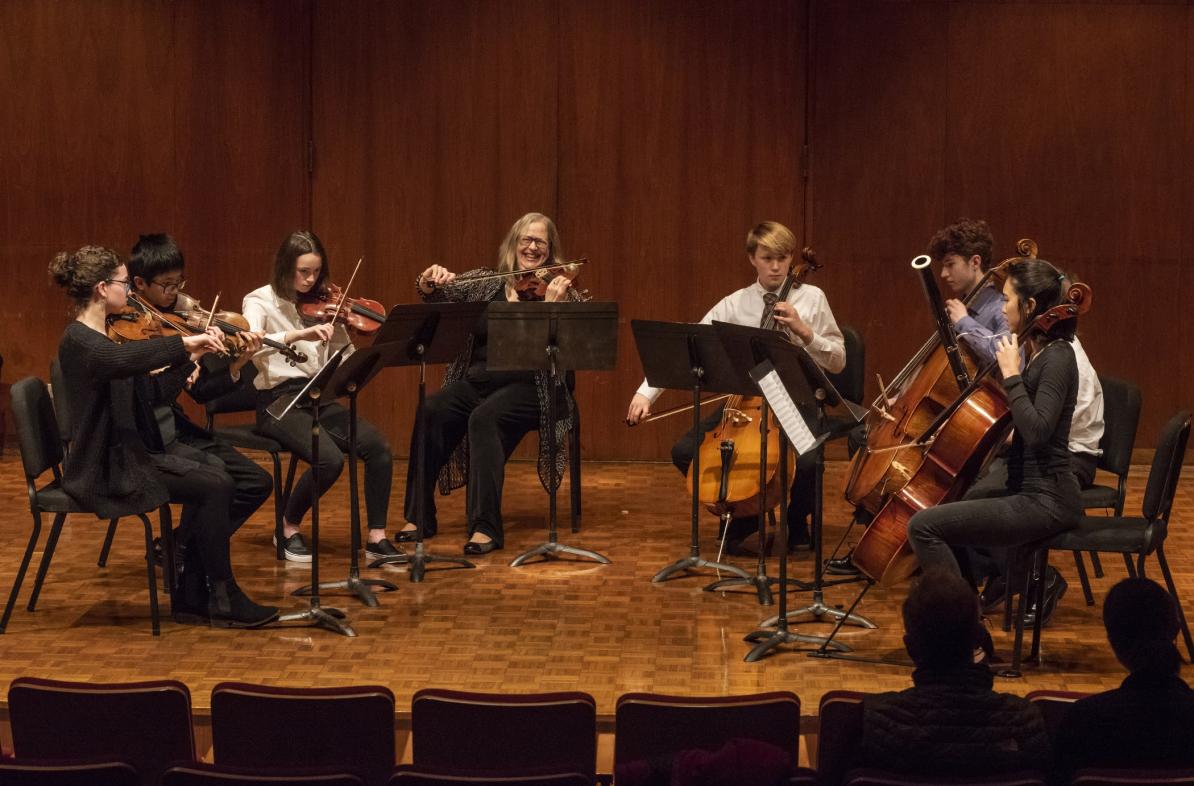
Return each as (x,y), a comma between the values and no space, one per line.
(738,417)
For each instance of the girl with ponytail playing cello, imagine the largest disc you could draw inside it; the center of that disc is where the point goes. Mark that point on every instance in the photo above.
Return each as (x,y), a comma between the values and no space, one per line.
(1042,493)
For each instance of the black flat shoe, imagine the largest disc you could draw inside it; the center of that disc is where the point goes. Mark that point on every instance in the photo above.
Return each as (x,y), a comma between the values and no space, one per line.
(474,549)
(383,548)
(409,536)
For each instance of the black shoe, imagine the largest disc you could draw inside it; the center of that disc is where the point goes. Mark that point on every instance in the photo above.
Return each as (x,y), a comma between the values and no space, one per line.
(1055,587)
(994,594)
(229,607)
(383,548)
(798,536)
(739,548)
(842,566)
(984,653)
(410,536)
(295,548)
(475,549)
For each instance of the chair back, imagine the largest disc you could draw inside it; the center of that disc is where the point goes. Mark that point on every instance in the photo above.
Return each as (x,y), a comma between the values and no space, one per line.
(652,725)
(1054,704)
(504,732)
(1121,418)
(851,380)
(882,778)
(38,772)
(200,774)
(1133,777)
(350,729)
(37,428)
(840,714)
(144,724)
(414,775)
(61,399)
(1166,469)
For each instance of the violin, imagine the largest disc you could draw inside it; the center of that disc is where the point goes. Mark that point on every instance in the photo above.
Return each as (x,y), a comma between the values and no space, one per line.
(531,285)
(360,315)
(193,315)
(135,322)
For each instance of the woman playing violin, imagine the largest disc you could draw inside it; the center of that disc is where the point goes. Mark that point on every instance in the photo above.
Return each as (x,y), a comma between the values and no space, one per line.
(112,468)
(301,271)
(478,417)
(1042,492)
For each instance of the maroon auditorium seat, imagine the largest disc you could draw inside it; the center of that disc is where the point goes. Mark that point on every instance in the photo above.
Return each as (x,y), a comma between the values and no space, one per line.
(145,724)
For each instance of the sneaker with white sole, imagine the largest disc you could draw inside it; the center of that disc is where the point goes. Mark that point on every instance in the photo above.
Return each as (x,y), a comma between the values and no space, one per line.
(294,548)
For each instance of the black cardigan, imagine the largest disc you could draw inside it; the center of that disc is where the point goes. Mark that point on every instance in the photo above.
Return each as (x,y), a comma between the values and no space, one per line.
(108,470)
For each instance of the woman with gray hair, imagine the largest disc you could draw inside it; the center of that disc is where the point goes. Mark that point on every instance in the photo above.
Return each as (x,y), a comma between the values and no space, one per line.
(478,417)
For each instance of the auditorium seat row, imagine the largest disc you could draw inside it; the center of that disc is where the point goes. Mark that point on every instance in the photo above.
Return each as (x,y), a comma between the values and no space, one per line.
(68,733)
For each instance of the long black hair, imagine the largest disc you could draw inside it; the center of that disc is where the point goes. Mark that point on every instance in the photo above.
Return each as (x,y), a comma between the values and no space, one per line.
(1041,281)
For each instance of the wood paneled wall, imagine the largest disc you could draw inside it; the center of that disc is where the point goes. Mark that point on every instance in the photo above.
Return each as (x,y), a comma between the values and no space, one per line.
(655,133)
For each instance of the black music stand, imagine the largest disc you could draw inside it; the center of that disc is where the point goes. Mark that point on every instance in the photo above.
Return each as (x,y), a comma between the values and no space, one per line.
(685,356)
(315,615)
(348,380)
(805,383)
(553,337)
(426,333)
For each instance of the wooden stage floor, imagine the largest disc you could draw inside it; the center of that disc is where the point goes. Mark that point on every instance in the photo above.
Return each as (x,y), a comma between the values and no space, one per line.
(567,625)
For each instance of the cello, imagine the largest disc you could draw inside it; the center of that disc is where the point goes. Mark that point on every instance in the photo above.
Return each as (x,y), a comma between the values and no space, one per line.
(961,440)
(901,416)
(730,483)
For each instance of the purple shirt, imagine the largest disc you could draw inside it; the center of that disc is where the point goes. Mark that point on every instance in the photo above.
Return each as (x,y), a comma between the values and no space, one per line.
(983,323)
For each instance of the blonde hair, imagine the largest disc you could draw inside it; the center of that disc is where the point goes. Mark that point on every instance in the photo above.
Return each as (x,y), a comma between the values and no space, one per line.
(508,249)
(772,236)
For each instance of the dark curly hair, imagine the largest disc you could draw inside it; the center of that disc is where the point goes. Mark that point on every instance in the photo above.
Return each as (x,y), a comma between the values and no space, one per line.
(79,272)
(965,237)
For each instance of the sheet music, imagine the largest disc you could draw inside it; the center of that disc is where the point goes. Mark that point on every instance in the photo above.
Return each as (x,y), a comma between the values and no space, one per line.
(785,411)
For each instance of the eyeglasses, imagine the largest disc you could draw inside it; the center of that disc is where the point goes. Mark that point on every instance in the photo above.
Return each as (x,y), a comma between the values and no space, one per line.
(527,240)
(171,286)
(124,282)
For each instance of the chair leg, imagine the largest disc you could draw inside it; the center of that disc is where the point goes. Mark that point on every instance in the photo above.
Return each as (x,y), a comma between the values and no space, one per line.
(1097,564)
(151,574)
(47,555)
(1018,642)
(281,507)
(277,504)
(1080,564)
(1181,615)
(1131,566)
(1012,562)
(103,557)
(16,584)
(574,474)
(167,526)
(1040,576)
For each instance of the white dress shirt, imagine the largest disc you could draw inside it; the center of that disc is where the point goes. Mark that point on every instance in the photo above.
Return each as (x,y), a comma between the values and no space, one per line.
(276,317)
(1086,427)
(745,307)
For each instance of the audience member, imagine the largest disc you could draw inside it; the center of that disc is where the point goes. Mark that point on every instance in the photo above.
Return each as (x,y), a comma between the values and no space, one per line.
(950,723)
(1148,721)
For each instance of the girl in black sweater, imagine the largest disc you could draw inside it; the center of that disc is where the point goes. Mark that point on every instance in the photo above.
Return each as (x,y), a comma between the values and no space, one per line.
(108,469)
(1042,493)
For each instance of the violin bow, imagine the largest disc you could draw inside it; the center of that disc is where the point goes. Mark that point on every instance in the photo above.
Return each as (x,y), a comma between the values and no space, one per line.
(340,304)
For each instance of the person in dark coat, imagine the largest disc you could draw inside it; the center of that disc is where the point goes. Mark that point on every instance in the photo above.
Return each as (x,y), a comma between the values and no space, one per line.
(1148,721)
(950,723)
(108,469)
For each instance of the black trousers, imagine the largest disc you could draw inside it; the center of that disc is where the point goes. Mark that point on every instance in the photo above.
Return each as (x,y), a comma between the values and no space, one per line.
(205,493)
(993,523)
(252,484)
(294,433)
(800,503)
(494,414)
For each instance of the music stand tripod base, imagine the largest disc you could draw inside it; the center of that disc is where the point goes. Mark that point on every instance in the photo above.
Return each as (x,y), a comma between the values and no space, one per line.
(766,639)
(321,617)
(761,582)
(696,562)
(356,585)
(817,609)
(552,550)
(417,562)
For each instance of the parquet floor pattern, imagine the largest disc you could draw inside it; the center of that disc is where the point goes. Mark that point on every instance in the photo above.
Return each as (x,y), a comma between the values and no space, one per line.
(566,625)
